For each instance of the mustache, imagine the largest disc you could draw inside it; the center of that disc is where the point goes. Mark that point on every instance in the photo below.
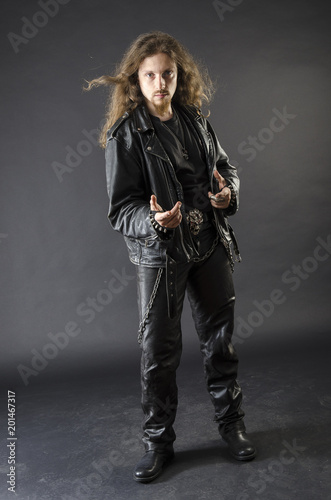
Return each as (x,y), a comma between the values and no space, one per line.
(163,92)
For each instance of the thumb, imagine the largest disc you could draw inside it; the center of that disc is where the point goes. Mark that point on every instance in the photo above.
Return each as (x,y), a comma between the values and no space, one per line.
(219,178)
(153,202)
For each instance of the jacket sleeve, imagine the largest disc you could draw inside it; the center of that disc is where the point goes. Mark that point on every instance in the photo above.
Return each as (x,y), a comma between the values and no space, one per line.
(128,200)
(228,171)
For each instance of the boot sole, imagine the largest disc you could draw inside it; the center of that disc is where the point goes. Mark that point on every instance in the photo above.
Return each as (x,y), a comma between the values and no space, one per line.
(244,458)
(151,478)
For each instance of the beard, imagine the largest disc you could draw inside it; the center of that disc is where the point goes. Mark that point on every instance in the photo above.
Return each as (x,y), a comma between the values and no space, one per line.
(162,107)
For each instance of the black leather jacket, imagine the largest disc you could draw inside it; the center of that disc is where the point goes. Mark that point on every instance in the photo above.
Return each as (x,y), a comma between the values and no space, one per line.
(137,166)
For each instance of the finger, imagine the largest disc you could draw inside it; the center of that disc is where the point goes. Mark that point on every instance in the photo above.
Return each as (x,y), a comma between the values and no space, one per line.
(175,221)
(219,178)
(226,192)
(217,175)
(221,206)
(220,202)
(217,198)
(223,194)
(176,208)
(154,204)
(168,217)
(171,218)
(175,213)
(169,223)
(162,216)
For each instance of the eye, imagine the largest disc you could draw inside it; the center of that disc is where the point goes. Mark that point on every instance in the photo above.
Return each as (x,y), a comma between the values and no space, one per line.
(169,72)
(149,75)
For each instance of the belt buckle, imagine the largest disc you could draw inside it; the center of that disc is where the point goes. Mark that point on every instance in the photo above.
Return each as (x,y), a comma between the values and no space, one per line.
(195,220)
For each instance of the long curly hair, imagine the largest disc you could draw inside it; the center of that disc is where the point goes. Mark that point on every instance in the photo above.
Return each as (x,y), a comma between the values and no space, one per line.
(194,85)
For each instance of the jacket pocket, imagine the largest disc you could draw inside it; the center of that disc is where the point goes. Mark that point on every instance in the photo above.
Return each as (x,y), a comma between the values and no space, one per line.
(153,251)
(133,249)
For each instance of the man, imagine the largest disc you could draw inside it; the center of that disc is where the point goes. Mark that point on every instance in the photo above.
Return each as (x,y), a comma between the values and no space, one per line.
(171,189)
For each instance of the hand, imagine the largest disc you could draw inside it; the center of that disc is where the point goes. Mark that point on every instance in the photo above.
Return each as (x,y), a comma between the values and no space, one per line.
(223,197)
(170,219)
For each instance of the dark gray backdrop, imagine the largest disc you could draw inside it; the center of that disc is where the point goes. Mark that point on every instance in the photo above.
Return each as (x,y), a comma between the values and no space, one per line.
(57,250)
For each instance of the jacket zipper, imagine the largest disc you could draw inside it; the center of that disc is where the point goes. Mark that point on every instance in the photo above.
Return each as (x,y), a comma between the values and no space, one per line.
(218,226)
(179,227)
(173,203)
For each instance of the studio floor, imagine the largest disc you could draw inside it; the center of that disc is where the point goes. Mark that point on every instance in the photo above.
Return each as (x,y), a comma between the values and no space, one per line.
(79,432)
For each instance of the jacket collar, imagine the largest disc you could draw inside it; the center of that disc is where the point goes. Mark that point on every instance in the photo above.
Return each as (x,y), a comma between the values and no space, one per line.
(143,122)
(141,119)
(191,112)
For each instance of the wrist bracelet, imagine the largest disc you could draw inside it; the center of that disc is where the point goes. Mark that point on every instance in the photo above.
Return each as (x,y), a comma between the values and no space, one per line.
(155,224)
(233,194)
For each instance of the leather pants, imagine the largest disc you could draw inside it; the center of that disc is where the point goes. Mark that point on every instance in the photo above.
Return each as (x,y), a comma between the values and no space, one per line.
(210,292)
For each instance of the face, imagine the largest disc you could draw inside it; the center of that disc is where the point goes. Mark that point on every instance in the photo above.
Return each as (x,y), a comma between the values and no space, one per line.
(157,76)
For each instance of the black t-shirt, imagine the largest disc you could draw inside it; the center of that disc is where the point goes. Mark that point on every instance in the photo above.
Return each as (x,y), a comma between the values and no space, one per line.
(187,158)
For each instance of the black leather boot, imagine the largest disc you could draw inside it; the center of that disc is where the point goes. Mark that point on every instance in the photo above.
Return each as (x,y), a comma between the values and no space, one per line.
(240,446)
(151,465)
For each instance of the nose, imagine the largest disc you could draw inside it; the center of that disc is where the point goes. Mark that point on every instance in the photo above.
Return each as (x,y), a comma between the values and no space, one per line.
(161,82)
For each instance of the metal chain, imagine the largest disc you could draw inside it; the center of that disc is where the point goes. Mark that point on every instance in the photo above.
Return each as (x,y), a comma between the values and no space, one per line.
(228,251)
(207,254)
(142,324)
